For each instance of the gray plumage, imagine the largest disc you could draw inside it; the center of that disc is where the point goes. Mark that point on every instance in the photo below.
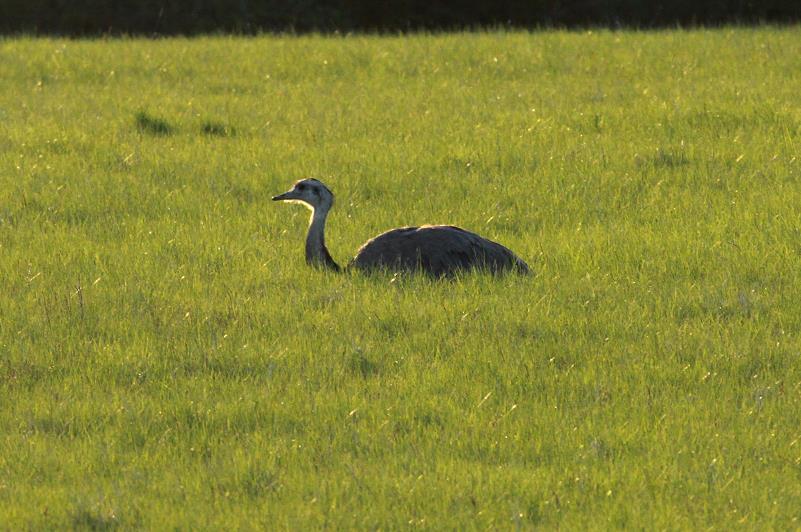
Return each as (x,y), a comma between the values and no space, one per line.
(440,250)
(436,249)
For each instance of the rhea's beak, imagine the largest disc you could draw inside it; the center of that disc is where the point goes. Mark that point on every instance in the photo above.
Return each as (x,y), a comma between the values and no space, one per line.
(285,196)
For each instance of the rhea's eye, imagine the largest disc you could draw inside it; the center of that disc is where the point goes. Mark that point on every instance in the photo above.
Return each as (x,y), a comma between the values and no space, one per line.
(302,187)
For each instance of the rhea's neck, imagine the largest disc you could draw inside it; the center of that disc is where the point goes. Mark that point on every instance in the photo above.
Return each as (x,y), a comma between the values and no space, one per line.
(316,252)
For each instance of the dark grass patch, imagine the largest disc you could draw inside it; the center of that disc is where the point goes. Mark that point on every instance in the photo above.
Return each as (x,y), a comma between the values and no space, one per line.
(152,125)
(93,517)
(669,159)
(359,364)
(663,158)
(257,482)
(217,129)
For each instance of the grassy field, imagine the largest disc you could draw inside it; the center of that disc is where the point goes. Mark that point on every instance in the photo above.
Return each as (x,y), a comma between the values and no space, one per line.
(168,360)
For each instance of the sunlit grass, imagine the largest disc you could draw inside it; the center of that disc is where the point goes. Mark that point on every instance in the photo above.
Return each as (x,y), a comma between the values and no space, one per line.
(168,360)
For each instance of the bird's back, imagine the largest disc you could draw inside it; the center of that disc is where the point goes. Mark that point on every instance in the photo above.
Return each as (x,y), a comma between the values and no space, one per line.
(437,249)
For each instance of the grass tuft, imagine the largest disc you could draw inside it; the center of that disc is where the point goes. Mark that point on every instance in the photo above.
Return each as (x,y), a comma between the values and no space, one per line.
(94,518)
(362,365)
(152,125)
(217,129)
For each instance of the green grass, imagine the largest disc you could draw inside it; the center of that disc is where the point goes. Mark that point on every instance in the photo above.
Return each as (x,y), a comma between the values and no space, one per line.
(168,360)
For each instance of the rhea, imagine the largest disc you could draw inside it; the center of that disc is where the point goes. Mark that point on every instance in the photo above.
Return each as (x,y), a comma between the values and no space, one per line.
(440,250)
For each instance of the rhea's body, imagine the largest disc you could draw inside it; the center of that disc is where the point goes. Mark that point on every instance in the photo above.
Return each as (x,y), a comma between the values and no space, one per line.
(440,250)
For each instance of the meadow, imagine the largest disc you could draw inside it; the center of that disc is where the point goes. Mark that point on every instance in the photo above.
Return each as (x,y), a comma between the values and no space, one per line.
(168,360)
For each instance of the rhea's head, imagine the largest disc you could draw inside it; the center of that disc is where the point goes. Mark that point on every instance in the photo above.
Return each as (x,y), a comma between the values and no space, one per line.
(309,192)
